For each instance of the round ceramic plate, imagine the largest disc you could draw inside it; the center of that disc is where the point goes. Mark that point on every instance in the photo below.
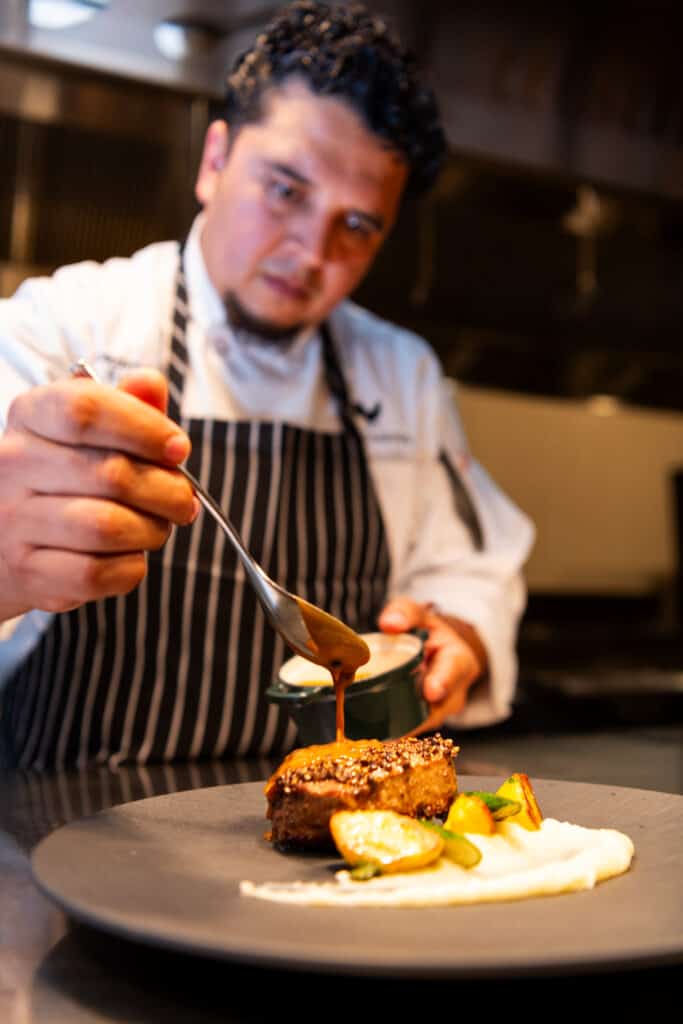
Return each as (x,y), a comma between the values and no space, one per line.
(166,871)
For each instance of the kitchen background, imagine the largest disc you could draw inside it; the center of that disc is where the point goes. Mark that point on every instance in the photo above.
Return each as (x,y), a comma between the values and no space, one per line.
(546,269)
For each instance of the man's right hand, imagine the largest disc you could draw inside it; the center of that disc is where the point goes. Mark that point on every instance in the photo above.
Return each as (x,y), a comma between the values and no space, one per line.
(87,486)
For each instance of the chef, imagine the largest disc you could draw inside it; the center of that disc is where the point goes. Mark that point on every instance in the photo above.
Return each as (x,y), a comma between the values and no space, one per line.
(329,436)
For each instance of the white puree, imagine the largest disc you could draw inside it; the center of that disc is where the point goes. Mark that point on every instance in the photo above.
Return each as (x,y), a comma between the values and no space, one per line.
(515,864)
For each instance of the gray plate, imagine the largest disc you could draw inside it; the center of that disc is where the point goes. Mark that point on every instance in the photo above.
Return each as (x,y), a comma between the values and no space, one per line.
(166,871)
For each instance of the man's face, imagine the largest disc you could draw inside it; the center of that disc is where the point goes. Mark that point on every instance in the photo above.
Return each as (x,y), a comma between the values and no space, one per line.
(296,208)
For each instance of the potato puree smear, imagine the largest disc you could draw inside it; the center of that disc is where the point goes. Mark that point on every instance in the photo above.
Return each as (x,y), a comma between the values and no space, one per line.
(522,855)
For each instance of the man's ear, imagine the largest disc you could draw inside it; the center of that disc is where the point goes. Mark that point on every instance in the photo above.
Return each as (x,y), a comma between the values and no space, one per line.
(213,159)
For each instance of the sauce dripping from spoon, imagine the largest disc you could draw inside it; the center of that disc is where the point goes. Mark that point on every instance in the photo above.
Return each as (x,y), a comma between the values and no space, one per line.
(338,649)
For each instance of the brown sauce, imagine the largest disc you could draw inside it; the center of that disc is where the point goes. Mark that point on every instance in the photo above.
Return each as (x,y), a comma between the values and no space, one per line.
(337,648)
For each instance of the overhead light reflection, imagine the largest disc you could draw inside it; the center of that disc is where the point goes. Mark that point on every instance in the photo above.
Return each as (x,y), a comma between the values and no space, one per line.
(171,40)
(61,14)
(179,40)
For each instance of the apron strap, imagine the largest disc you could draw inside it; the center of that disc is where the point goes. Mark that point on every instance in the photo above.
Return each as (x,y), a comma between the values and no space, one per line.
(178,359)
(339,390)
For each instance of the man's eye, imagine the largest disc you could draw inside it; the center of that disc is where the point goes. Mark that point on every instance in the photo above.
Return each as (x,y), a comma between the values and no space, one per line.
(281,191)
(357,225)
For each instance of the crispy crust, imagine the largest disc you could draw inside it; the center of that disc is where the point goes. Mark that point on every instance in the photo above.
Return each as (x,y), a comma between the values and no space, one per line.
(412,775)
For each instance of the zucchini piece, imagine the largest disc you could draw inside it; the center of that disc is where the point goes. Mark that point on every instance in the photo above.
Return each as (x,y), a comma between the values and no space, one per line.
(456,847)
(364,871)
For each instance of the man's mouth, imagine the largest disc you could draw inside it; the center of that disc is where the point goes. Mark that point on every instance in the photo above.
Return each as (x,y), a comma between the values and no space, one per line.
(286,287)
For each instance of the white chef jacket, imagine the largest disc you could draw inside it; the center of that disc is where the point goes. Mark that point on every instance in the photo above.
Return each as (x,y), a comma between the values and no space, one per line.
(116,315)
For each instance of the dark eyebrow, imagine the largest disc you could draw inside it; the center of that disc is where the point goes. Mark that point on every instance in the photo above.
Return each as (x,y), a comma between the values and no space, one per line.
(288,171)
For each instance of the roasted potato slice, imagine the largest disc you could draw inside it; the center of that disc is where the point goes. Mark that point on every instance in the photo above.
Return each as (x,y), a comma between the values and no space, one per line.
(519,788)
(470,814)
(394,842)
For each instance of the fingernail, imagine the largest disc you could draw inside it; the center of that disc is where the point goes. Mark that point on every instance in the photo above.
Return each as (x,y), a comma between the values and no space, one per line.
(177,448)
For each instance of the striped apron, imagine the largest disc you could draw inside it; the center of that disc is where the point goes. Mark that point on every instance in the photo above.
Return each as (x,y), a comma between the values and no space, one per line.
(177,669)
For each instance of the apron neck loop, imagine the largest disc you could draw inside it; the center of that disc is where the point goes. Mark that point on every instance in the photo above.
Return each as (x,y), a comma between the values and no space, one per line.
(336,382)
(180,301)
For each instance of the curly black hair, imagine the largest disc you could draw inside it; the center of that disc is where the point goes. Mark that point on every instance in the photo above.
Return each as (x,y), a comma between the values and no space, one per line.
(347,52)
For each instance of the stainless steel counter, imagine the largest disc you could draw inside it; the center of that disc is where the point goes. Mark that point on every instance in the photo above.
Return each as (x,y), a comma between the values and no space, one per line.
(52,970)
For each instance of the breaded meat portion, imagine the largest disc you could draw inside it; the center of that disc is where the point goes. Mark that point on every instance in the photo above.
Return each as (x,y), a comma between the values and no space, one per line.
(412,775)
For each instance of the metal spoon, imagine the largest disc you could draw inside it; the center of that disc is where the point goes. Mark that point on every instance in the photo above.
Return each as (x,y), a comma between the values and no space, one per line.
(309,631)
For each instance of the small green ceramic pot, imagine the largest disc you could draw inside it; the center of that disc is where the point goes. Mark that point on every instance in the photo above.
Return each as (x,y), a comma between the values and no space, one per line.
(383,703)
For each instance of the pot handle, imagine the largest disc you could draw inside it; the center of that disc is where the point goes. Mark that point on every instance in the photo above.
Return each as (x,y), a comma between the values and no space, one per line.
(285,696)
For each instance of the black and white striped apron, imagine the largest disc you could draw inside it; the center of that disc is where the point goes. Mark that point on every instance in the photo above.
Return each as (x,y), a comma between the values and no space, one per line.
(177,669)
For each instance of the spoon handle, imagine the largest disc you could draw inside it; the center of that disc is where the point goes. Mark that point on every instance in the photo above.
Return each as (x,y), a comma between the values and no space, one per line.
(253,569)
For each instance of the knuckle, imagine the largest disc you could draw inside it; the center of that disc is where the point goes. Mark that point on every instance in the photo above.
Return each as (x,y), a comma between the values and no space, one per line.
(90,575)
(94,578)
(105,523)
(81,410)
(15,412)
(173,495)
(17,559)
(114,474)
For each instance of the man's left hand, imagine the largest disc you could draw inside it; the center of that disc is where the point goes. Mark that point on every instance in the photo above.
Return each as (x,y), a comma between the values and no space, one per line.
(454,654)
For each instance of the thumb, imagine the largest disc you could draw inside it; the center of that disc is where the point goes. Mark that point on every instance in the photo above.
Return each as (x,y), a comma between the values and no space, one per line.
(150,386)
(401,614)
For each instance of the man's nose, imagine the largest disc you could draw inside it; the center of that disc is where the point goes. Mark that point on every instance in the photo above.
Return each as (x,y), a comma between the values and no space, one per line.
(313,235)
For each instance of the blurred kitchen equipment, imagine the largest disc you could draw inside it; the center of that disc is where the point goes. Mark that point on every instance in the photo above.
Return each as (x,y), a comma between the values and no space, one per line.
(313,633)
